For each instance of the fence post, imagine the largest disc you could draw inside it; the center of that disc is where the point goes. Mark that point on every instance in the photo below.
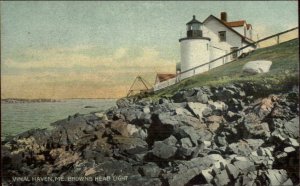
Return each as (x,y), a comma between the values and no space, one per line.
(277,39)
(194,71)
(223,60)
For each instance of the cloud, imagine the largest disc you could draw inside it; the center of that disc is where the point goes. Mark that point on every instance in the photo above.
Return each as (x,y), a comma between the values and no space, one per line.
(120,53)
(81,74)
(58,58)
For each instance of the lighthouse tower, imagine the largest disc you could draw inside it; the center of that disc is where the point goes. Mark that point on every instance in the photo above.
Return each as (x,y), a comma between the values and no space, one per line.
(194,49)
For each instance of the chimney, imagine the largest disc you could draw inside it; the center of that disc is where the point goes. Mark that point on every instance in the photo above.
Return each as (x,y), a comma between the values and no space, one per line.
(224,16)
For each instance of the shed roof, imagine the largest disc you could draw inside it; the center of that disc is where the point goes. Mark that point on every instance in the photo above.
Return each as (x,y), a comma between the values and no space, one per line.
(164,77)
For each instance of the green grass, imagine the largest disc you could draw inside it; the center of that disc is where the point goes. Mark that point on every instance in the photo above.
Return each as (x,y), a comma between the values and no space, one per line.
(284,70)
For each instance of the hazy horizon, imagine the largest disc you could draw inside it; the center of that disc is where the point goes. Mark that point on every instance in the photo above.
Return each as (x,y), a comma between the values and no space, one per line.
(95,49)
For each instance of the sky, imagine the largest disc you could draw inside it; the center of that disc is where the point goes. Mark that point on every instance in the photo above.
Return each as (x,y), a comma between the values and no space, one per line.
(95,49)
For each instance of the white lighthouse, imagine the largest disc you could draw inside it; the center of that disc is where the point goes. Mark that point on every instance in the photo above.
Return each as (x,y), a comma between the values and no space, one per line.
(194,49)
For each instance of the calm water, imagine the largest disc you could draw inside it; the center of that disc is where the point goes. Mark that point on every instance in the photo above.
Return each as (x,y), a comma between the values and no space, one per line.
(19,117)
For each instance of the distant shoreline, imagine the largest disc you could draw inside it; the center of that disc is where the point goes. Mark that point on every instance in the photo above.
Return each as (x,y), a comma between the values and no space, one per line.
(21,100)
(43,100)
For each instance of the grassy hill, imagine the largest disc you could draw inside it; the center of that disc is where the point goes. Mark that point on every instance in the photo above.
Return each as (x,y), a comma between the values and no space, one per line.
(284,70)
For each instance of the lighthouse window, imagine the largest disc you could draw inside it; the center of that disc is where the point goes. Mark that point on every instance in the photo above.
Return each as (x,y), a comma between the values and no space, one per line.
(222,35)
(196,26)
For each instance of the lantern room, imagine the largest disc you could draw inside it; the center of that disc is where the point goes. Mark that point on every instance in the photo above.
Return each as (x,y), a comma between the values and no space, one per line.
(194,28)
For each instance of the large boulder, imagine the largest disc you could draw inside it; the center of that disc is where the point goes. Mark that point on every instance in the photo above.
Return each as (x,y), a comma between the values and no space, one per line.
(123,128)
(199,109)
(256,67)
(150,170)
(63,158)
(163,150)
(292,128)
(130,145)
(187,170)
(72,130)
(251,127)
(123,102)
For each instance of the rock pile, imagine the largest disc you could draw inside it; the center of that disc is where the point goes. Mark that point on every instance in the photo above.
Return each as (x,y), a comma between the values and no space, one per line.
(201,136)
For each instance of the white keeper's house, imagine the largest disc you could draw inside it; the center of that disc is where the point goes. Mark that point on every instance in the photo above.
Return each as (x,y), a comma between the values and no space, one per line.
(209,40)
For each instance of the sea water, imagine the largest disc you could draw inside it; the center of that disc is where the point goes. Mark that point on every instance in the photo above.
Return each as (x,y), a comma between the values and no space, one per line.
(20,117)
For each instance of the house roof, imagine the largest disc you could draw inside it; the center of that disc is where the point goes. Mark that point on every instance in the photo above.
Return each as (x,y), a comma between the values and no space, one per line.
(245,39)
(235,23)
(164,77)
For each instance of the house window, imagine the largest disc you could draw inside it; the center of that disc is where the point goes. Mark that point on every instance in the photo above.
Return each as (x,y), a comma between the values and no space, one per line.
(235,54)
(222,35)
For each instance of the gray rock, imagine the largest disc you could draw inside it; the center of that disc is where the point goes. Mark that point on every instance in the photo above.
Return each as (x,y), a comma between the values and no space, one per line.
(232,116)
(204,134)
(197,109)
(137,181)
(124,129)
(202,97)
(170,141)
(244,166)
(221,140)
(289,149)
(218,106)
(252,127)
(224,94)
(132,115)
(186,143)
(116,167)
(150,170)
(232,171)
(288,182)
(183,111)
(240,158)
(146,110)
(40,136)
(162,150)
(167,119)
(72,130)
(254,144)
(187,170)
(185,150)
(207,175)
(186,131)
(291,141)
(141,133)
(189,120)
(184,153)
(292,128)
(276,177)
(222,178)
(240,148)
(121,103)
(144,118)
(218,161)
(130,145)
(163,100)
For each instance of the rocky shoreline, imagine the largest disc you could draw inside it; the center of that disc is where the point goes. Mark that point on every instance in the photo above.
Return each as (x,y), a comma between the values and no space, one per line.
(223,135)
